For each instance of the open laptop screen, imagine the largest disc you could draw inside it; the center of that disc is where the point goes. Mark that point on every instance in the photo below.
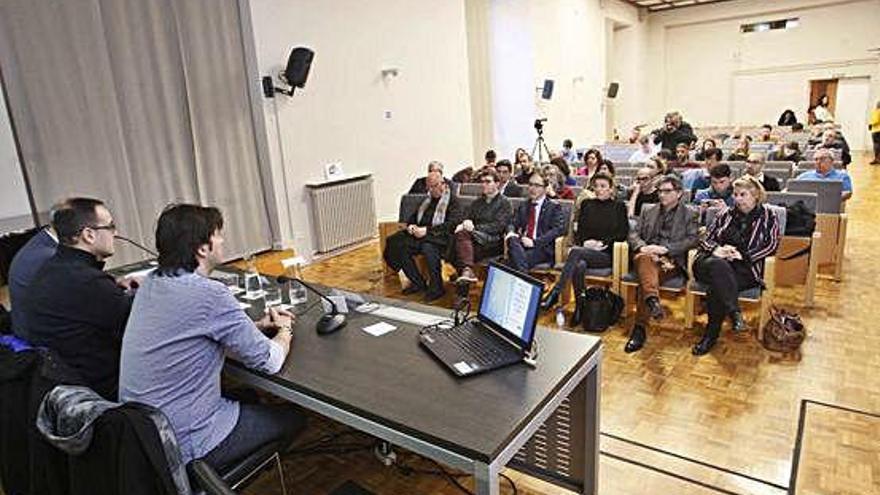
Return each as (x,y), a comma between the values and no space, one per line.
(510,303)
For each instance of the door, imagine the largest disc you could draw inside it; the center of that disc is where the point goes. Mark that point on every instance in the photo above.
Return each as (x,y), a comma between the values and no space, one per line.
(852,110)
(823,87)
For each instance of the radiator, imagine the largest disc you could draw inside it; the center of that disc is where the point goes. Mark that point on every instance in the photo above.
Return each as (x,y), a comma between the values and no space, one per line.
(343,213)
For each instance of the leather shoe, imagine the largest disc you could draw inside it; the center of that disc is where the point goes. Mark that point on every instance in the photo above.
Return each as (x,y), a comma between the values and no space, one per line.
(413,289)
(551,300)
(704,345)
(739,324)
(431,296)
(467,276)
(655,309)
(576,317)
(636,340)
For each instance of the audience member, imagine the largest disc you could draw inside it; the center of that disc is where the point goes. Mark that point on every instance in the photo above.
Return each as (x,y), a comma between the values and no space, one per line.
(420,185)
(645,152)
(607,168)
(520,159)
(660,243)
(674,131)
(507,185)
(72,306)
(696,179)
(427,232)
(601,222)
(563,167)
(833,140)
(822,110)
(742,150)
(874,127)
(643,192)
(531,237)
(524,167)
(731,258)
(755,168)
(765,135)
(635,134)
(708,144)
(182,326)
(720,190)
(825,171)
(24,267)
(683,157)
(797,127)
(556,186)
(479,233)
(568,153)
(790,151)
(592,159)
(490,158)
(787,118)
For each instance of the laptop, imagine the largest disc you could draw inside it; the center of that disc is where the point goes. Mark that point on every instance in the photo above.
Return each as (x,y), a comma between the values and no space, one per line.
(502,332)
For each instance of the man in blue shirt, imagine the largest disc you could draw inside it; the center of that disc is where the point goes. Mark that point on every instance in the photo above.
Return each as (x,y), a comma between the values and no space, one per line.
(182,326)
(25,265)
(825,171)
(720,191)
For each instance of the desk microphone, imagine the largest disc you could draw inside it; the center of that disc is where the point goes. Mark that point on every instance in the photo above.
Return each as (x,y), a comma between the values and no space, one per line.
(328,322)
(141,247)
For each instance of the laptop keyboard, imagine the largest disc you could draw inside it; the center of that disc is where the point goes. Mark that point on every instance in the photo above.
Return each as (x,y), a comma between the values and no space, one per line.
(476,342)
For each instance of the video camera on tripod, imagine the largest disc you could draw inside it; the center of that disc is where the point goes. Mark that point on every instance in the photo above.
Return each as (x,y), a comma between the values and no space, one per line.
(540,146)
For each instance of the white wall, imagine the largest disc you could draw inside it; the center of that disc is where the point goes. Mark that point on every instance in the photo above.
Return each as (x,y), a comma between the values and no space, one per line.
(340,113)
(14,209)
(563,40)
(703,66)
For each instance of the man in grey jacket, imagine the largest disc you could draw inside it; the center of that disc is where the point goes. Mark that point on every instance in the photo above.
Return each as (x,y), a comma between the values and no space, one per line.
(660,245)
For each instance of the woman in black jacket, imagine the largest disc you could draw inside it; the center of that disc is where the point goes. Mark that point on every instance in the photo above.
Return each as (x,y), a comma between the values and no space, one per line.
(731,258)
(601,222)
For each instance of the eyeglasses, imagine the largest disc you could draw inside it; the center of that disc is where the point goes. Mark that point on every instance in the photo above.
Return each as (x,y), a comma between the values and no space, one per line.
(110,226)
(537,184)
(753,162)
(487,181)
(642,179)
(666,190)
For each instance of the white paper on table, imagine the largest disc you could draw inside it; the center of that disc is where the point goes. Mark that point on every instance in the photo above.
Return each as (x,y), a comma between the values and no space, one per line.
(252,297)
(379,329)
(243,305)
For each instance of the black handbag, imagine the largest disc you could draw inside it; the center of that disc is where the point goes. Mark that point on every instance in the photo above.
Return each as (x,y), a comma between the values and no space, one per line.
(599,307)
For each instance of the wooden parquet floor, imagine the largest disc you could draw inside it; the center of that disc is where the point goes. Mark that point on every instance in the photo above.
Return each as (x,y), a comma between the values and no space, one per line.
(727,420)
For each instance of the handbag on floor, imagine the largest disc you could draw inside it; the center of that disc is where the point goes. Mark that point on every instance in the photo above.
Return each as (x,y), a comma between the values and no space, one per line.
(599,307)
(784,331)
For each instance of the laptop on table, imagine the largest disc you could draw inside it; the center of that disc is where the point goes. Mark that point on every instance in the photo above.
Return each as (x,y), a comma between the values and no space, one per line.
(502,332)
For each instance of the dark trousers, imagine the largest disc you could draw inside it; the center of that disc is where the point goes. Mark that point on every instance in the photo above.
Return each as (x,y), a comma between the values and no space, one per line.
(467,251)
(876,137)
(725,280)
(400,251)
(258,424)
(523,259)
(579,260)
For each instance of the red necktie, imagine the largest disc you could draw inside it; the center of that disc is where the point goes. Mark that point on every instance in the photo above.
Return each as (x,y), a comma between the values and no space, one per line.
(530,227)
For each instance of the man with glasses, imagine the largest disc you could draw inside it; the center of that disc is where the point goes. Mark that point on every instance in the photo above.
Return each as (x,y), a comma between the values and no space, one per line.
(72,306)
(755,168)
(643,192)
(531,238)
(427,233)
(479,234)
(660,244)
(825,171)
(419,186)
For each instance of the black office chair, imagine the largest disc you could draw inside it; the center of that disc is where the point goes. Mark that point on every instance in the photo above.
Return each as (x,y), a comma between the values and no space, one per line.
(239,474)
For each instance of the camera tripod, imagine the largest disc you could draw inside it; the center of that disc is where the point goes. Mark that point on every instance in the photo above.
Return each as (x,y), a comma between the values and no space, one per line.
(540,145)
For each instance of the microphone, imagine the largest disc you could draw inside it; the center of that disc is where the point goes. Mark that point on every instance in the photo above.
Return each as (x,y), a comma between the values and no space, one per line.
(328,322)
(142,248)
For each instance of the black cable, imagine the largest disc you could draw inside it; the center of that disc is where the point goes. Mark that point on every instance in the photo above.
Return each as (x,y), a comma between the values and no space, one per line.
(135,244)
(510,480)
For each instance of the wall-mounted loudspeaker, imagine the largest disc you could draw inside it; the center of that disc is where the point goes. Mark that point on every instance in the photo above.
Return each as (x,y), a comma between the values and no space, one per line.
(612,90)
(298,65)
(547,91)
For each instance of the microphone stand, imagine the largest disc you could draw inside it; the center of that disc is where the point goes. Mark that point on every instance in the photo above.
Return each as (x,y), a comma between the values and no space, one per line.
(328,322)
(142,248)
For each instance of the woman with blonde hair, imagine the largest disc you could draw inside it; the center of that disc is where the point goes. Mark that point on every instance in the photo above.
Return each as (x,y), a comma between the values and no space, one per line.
(731,258)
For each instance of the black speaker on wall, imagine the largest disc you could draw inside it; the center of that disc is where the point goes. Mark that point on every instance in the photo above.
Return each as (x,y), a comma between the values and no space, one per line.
(612,90)
(547,91)
(298,64)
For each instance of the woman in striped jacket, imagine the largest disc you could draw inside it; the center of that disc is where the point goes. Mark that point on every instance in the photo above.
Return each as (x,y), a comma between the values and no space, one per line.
(731,258)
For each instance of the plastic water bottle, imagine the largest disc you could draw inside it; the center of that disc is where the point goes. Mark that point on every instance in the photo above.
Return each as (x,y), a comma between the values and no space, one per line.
(560,318)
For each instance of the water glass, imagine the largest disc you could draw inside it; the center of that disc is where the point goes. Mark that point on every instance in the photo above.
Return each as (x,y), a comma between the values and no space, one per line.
(297,293)
(272,296)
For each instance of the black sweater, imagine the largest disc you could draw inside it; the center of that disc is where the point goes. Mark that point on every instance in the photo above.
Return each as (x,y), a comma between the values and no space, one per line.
(604,221)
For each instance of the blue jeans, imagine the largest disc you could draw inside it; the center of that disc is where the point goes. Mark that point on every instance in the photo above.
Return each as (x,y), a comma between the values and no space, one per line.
(258,424)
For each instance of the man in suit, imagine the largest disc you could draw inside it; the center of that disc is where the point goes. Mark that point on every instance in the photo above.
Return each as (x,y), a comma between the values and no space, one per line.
(531,238)
(755,168)
(660,244)
(427,232)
